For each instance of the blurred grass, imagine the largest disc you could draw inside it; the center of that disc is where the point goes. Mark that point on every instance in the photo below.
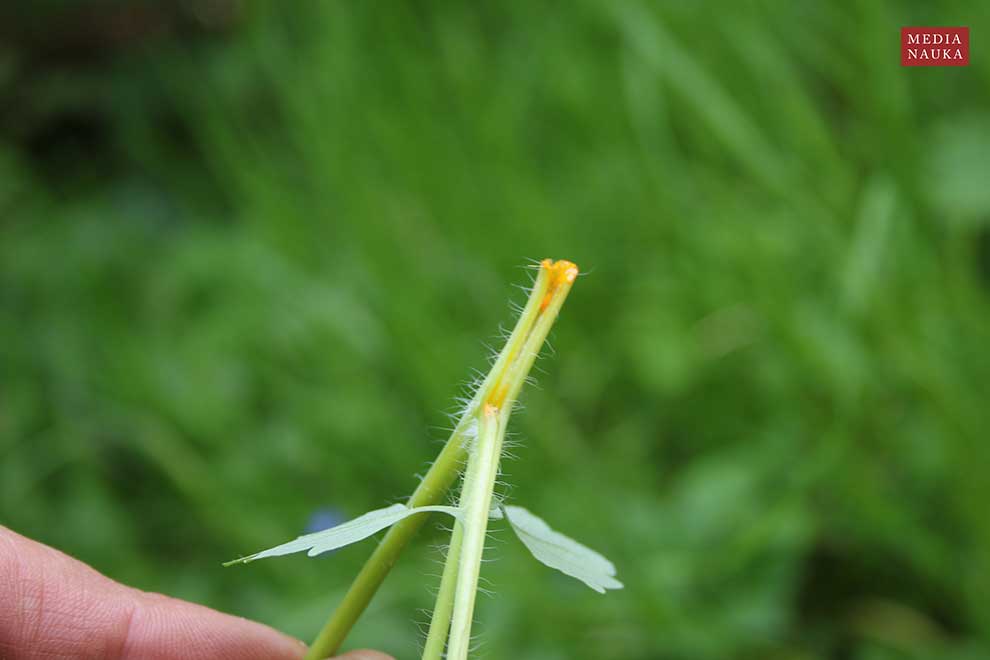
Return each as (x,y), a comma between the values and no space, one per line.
(243,274)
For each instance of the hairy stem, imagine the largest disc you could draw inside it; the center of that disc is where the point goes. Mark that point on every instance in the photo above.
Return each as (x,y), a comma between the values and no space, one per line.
(475,501)
(436,482)
(440,621)
(436,639)
(372,574)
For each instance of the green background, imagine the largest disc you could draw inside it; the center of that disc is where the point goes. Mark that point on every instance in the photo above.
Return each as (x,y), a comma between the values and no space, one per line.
(251,253)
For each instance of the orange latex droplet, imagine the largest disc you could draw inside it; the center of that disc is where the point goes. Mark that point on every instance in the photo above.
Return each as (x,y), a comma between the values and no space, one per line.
(560,272)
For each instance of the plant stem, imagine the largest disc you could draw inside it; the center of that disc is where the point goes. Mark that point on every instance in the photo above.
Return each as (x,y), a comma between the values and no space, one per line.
(430,490)
(433,486)
(505,390)
(436,639)
(475,501)
(440,621)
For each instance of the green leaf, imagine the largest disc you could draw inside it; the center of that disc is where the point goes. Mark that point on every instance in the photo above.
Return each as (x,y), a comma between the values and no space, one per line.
(560,552)
(346,533)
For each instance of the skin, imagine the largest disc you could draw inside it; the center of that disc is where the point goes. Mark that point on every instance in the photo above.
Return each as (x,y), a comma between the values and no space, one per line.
(53,606)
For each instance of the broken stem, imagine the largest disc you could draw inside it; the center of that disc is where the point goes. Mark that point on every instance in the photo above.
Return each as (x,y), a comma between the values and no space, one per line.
(502,384)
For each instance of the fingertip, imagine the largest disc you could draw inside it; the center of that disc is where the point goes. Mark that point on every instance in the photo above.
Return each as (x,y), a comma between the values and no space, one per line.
(164,627)
(364,654)
(54,605)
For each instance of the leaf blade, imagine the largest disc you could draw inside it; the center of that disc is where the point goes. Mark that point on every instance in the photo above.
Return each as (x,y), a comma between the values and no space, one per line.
(346,533)
(560,552)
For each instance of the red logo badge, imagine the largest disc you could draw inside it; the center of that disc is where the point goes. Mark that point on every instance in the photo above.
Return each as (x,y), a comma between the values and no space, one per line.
(934,46)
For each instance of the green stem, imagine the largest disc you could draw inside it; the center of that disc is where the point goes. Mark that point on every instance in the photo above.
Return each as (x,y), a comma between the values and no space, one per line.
(372,574)
(433,487)
(476,501)
(436,639)
(440,622)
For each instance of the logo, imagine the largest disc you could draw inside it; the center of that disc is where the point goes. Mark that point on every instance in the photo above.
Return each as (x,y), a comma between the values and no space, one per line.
(934,46)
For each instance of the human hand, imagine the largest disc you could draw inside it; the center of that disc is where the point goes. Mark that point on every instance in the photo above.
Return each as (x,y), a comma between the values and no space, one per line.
(53,606)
